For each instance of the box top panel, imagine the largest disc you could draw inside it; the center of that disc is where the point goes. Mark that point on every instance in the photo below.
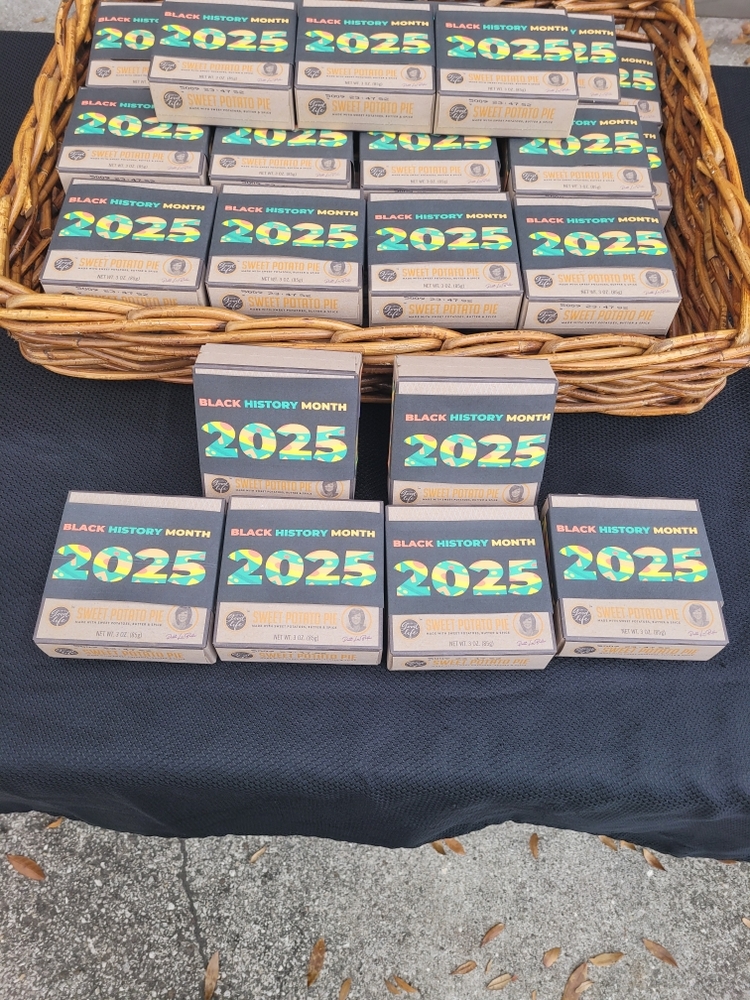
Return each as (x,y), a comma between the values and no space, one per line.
(620,503)
(146,500)
(486,369)
(273,190)
(460,514)
(454,197)
(314,506)
(281,358)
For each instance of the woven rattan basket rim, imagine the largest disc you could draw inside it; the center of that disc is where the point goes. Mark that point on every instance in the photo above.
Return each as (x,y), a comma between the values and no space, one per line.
(626,374)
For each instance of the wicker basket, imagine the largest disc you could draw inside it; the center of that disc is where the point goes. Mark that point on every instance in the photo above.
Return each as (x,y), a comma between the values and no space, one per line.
(627,374)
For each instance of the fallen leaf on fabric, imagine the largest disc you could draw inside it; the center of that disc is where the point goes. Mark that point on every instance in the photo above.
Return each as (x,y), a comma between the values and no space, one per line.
(653,860)
(534,845)
(492,933)
(212,976)
(258,854)
(315,964)
(406,987)
(55,824)
(575,979)
(626,843)
(437,845)
(608,842)
(550,957)
(345,988)
(746,921)
(585,985)
(461,970)
(455,845)
(26,866)
(391,988)
(727,862)
(607,958)
(659,951)
(533,995)
(500,982)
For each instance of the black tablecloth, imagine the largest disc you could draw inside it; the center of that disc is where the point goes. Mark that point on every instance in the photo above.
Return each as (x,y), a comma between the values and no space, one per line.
(658,753)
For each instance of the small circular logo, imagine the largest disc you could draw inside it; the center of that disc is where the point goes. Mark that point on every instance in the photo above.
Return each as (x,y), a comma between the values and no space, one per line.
(546,316)
(458,113)
(653,279)
(387,274)
(63,264)
(173,100)
(76,154)
(408,495)
(392,310)
(630,176)
(455,78)
(413,74)
(496,272)
(416,664)
(232,302)
(337,268)
(530,177)
(235,620)
(329,489)
(66,651)
(317,106)
(527,625)
(270,69)
(328,164)
(228,162)
(167,66)
(477,170)
(180,156)
(583,650)
(177,267)
(103,72)
(356,620)
(312,72)
(543,281)
(515,494)
(580,615)
(182,618)
(409,629)
(555,80)
(59,616)
(601,83)
(698,615)
(226,267)
(378,171)
(219,485)
(242,655)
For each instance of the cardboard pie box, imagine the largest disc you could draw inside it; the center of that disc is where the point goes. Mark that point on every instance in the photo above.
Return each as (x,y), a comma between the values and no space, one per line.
(597,59)
(306,158)
(408,161)
(123,37)
(109,546)
(301,581)
(659,171)
(639,80)
(633,577)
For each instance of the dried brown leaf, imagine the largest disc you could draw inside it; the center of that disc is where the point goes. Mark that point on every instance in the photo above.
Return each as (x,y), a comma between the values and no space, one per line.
(55,824)
(607,958)
(653,860)
(500,982)
(575,979)
(746,921)
(345,988)
(492,933)
(438,846)
(585,985)
(212,976)
(627,843)
(391,988)
(487,966)
(727,862)
(406,987)
(660,952)
(550,957)
(258,854)
(533,995)
(534,845)
(26,866)
(608,842)
(315,964)
(455,845)
(461,970)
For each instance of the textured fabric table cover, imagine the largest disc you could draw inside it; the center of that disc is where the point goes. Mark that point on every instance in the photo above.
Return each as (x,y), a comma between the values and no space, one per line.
(658,753)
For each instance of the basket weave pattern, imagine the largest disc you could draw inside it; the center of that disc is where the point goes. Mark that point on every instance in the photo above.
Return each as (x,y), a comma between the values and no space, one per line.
(628,374)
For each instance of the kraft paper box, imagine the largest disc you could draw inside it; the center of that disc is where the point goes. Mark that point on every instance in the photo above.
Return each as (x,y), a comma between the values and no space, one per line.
(123,39)
(469,431)
(639,80)
(134,242)
(306,158)
(408,161)
(114,135)
(605,154)
(301,581)
(594,266)
(659,171)
(365,65)
(96,604)
(225,63)
(597,61)
(633,578)
(281,252)
(467,590)
(443,258)
(503,71)
(277,421)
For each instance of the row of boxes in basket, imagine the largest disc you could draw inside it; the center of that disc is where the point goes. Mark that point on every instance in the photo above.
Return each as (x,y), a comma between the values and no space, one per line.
(569,266)
(181,579)
(421,67)
(114,135)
